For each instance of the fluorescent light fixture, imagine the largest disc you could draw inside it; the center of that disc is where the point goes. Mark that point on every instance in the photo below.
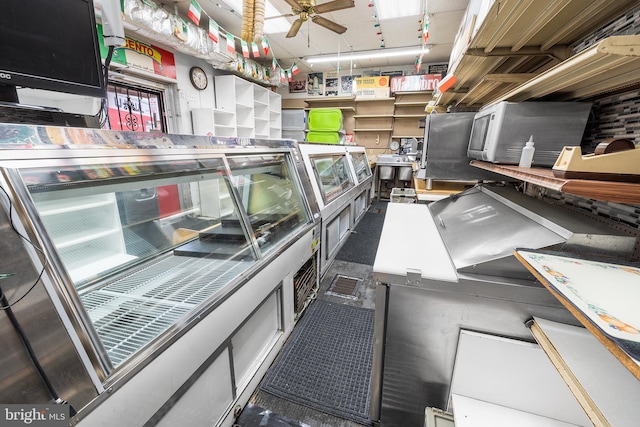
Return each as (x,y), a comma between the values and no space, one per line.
(371,54)
(271,26)
(388,9)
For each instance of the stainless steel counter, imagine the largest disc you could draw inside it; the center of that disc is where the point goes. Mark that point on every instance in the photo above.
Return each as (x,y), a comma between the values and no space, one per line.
(431,285)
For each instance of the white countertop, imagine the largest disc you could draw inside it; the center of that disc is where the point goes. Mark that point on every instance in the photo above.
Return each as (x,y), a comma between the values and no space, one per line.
(410,242)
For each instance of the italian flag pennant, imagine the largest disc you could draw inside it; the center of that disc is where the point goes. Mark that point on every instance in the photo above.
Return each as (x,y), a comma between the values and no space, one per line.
(425,32)
(255,49)
(245,48)
(231,43)
(274,64)
(283,76)
(418,63)
(289,75)
(214,33)
(294,69)
(194,12)
(265,45)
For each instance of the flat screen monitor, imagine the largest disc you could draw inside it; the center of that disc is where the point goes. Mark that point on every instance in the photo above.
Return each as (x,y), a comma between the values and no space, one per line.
(51,45)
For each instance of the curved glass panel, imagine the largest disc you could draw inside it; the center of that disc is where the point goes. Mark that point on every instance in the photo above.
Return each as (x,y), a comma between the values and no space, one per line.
(270,195)
(361,166)
(332,172)
(143,243)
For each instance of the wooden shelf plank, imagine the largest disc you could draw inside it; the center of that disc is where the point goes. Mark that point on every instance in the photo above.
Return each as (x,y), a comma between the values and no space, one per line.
(373,130)
(330,99)
(600,382)
(613,62)
(374,99)
(516,35)
(612,191)
(629,363)
(337,107)
(412,103)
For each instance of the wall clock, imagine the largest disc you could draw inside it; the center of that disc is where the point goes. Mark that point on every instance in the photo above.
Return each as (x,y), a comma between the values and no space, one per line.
(198,78)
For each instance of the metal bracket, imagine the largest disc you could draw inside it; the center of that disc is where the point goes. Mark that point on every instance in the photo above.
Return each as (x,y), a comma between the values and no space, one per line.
(414,276)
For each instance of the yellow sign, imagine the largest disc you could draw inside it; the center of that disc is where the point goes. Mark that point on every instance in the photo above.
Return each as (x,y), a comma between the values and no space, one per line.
(143,49)
(372,82)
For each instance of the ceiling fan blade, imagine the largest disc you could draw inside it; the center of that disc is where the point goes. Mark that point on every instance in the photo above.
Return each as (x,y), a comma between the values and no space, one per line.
(294,28)
(334,5)
(279,16)
(294,4)
(336,28)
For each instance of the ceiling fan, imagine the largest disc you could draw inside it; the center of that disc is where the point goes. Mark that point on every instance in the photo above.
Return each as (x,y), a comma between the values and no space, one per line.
(306,9)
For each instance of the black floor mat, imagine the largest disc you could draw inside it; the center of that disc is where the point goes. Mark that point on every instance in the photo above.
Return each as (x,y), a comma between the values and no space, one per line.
(362,245)
(326,364)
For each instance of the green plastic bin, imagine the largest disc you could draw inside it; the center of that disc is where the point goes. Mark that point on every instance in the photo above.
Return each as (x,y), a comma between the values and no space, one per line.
(324,119)
(323,137)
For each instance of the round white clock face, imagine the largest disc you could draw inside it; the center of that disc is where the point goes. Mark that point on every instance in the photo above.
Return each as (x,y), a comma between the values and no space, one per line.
(198,78)
(394,145)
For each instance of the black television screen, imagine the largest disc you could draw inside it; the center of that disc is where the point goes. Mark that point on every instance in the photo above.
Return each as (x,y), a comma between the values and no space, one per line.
(50,44)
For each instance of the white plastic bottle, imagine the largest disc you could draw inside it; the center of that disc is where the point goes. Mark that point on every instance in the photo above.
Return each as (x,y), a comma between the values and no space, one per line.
(527,154)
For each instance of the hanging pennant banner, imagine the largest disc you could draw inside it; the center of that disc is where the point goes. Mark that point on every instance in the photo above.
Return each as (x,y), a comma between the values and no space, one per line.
(231,43)
(214,33)
(255,49)
(194,12)
(245,48)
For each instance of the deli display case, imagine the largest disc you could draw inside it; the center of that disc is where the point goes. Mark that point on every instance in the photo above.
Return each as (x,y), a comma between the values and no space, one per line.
(158,264)
(341,181)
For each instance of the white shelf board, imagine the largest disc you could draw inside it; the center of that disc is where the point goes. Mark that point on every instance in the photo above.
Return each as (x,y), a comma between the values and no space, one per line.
(468,412)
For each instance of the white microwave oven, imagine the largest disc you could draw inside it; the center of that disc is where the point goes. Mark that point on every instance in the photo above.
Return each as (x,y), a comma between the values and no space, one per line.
(500,131)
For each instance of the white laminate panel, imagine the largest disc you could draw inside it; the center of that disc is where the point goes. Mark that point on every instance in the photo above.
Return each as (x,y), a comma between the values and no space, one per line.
(512,374)
(470,412)
(410,242)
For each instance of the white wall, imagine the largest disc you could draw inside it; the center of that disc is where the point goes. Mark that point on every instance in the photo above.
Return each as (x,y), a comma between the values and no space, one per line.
(187,96)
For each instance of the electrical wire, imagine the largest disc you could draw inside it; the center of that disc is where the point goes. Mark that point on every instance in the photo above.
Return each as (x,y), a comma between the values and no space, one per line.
(103,114)
(6,305)
(7,308)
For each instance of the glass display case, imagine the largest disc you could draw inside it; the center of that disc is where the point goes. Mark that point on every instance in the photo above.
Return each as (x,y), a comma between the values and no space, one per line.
(265,186)
(172,225)
(333,174)
(360,165)
(341,180)
(149,250)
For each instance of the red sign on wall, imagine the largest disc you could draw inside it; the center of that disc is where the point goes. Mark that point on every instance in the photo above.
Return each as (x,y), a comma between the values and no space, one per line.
(422,82)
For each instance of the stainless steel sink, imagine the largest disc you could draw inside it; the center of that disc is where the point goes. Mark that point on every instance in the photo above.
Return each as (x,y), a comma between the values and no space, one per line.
(395,159)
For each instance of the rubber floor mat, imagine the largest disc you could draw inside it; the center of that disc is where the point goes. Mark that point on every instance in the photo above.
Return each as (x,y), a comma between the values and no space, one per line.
(326,363)
(362,244)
